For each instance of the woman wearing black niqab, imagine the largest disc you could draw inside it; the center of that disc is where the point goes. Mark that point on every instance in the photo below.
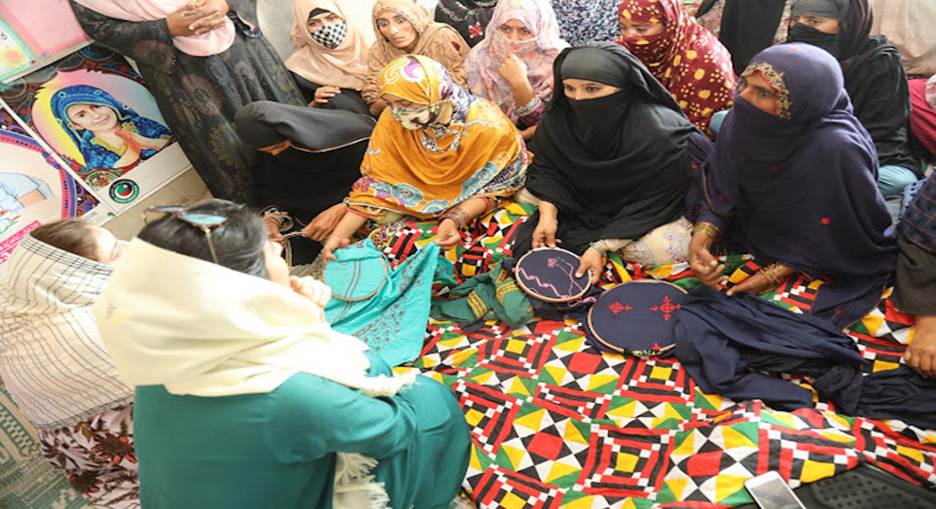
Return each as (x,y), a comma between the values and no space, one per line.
(874,79)
(611,172)
(307,160)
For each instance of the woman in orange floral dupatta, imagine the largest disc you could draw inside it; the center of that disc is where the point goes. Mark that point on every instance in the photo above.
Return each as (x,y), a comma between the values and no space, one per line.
(437,152)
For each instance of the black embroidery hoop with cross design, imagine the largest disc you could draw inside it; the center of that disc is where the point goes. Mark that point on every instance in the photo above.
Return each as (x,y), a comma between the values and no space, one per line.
(636,318)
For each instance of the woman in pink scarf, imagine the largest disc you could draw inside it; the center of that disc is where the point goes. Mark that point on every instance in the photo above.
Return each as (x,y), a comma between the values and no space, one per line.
(203,60)
(512,66)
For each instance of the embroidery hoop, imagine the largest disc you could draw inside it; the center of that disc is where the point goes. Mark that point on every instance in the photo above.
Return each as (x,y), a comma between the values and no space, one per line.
(538,296)
(345,298)
(643,354)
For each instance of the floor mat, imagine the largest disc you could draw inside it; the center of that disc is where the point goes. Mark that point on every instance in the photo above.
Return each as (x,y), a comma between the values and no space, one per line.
(555,423)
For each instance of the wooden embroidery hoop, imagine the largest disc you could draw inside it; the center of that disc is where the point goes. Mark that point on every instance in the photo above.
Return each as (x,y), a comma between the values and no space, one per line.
(344,298)
(614,348)
(538,296)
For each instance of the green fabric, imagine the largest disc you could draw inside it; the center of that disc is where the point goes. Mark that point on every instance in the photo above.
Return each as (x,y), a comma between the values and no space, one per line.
(276,450)
(490,295)
(27,479)
(392,322)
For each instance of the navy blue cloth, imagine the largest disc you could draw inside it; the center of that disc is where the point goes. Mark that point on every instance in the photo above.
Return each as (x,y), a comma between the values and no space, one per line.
(801,188)
(726,344)
(636,318)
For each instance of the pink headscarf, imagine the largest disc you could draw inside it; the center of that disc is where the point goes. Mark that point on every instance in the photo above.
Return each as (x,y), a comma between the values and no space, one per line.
(205,45)
(538,53)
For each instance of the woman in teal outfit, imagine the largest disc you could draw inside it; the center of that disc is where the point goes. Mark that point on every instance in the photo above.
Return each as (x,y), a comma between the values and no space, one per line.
(247,398)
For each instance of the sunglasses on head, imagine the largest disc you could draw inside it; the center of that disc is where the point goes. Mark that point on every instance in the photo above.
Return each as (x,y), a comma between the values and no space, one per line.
(206,222)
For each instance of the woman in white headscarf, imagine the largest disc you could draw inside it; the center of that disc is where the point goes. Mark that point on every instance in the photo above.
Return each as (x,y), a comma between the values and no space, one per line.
(246,397)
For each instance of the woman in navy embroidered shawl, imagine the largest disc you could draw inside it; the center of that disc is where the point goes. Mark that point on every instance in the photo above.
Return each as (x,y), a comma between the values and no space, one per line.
(792,180)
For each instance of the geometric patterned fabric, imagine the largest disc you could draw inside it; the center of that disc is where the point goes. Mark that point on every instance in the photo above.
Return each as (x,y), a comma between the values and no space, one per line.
(556,423)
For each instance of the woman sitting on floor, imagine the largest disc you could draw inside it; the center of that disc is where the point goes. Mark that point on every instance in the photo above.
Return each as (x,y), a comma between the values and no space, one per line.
(302,149)
(874,79)
(438,153)
(612,164)
(404,27)
(512,66)
(246,398)
(330,43)
(792,181)
(915,291)
(686,58)
(54,365)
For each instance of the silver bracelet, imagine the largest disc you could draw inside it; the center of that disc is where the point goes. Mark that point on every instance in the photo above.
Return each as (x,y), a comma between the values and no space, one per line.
(599,247)
(529,107)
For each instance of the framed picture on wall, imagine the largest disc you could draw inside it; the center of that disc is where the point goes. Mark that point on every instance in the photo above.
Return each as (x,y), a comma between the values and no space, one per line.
(35,188)
(93,110)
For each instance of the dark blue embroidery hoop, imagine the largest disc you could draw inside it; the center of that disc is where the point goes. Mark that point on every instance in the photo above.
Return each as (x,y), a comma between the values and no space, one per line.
(636,318)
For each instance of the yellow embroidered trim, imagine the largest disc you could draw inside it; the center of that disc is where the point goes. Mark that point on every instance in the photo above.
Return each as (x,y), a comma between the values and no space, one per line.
(478,307)
(775,78)
(505,289)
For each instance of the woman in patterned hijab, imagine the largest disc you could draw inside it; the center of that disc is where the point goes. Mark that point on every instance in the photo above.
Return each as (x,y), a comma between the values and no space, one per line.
(686,58)
(512,66)
(438,152)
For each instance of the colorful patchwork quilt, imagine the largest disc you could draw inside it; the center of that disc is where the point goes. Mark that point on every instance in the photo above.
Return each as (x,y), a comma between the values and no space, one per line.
(556,423)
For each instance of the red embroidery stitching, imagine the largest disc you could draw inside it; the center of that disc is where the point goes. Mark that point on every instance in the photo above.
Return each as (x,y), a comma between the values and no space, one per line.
(667,308)
(618,308)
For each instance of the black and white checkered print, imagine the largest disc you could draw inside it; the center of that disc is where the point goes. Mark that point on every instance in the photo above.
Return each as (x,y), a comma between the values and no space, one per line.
(331,35)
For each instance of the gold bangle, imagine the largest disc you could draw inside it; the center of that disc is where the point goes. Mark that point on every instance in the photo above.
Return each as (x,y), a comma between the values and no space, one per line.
(706,228)
(457,215)
(774,274)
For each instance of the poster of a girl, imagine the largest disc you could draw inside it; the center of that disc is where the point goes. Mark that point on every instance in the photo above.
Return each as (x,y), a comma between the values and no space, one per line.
(107,132)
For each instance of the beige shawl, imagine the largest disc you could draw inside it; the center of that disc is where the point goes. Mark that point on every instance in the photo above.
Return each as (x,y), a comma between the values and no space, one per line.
(201,329)
(344,66)
(437,41)
(908,26)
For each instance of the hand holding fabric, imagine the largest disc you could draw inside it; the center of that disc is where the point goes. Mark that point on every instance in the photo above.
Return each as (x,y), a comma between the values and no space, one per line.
(921,355)
(341,236)
(334,243)
(705,266)
(447,235)
(593,263)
